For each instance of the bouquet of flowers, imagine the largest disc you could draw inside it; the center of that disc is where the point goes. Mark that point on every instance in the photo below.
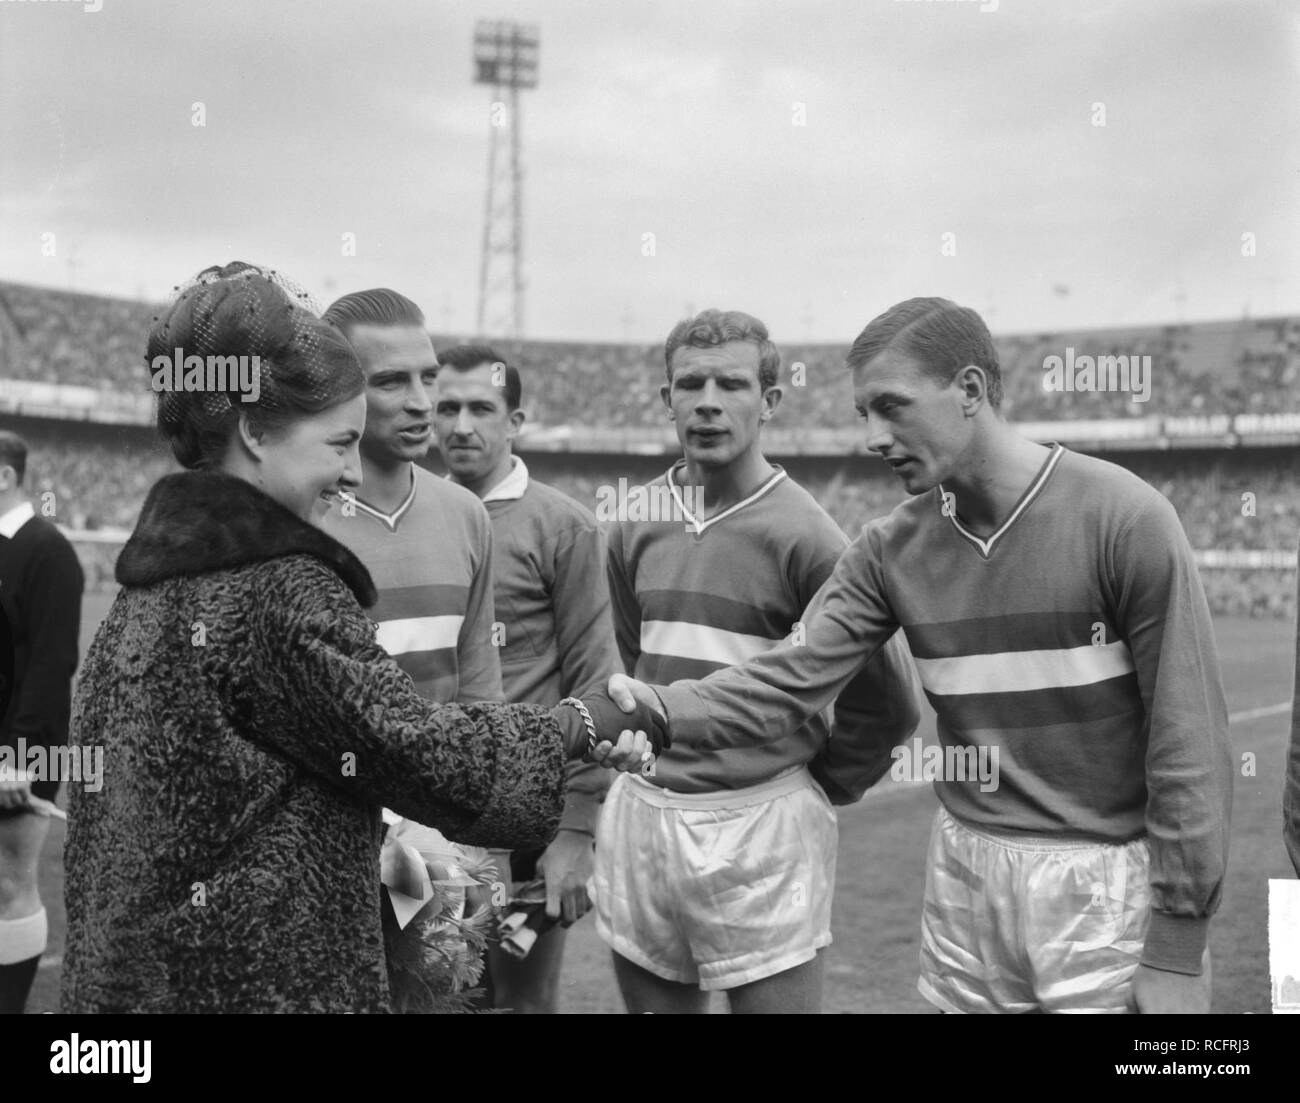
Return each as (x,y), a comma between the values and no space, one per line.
(435,951)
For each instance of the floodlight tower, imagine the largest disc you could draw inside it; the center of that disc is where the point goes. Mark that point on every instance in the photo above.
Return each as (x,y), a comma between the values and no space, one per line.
(505,57)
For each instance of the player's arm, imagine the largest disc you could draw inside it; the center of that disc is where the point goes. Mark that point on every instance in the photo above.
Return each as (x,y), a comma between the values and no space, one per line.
(478,657)
(624,606)
(485,774)
(773,694)
(1164,618)
(584,639)
(873,714)
(51,605)
(1291,792)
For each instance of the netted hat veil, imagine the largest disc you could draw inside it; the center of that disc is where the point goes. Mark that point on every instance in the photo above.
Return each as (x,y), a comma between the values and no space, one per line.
(243,310)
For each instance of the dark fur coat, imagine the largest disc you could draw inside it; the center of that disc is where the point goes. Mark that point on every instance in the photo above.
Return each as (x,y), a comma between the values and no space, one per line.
(252,729)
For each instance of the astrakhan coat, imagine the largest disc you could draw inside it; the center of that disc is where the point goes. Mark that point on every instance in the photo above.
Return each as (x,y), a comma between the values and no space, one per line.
(252,730)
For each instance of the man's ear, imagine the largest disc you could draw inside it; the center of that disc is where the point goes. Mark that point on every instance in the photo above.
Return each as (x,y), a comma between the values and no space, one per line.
(975,388)
(771,400)
(665,392)
(517,419)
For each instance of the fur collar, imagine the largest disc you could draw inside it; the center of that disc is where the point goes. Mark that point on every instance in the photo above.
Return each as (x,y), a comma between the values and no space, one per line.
(198,521)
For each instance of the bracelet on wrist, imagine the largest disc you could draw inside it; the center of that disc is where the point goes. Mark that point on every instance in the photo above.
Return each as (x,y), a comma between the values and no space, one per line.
(586,719)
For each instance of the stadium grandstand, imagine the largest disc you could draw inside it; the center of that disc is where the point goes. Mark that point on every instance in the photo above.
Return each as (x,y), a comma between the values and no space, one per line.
(1218,432)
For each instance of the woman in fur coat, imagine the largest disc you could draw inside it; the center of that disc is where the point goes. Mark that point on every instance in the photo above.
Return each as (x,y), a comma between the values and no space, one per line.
(251,726)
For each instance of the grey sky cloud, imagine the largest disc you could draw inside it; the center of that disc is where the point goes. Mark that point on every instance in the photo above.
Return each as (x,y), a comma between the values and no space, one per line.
(675,119)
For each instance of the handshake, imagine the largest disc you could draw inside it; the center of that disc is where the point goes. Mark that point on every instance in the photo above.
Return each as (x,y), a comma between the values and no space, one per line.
(622,727)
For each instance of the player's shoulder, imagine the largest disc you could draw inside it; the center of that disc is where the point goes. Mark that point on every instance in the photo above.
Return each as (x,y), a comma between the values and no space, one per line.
(629,506)
(910,517)
(450,498)
(1103,487)
(560,509)
(803,516)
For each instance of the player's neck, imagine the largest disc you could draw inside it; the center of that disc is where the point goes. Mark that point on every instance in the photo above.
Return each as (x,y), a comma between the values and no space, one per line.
(11,500)
(724,486)
(481,486)
(385,487)
(995,474)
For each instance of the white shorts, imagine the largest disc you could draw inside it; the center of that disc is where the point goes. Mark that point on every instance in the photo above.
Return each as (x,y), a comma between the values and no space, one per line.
(1017,923)
(716,889)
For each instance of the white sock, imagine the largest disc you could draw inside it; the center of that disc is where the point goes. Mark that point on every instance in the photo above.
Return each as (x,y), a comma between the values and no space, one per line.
(22,939)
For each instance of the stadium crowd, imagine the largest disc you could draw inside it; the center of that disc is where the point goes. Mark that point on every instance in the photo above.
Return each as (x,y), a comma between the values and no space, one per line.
(1230,502)
(98,476)
(1246,366)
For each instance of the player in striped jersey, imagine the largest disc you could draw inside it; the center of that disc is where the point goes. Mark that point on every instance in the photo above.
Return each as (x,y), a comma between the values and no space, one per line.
(1055,612)
(426,541)
(717,871)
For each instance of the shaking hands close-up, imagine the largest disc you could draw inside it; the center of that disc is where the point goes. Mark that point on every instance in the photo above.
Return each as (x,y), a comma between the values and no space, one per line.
(622,727)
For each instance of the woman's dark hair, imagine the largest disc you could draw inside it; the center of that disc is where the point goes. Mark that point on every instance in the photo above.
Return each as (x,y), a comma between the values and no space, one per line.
(305,365)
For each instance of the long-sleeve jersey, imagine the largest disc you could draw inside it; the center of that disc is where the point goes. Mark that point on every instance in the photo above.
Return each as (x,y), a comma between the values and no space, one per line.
(431,561)
(40,587)
(1076,639)
(552,603)
(691,597)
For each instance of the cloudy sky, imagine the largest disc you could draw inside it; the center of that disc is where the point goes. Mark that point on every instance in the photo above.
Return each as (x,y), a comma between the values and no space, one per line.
(680,119)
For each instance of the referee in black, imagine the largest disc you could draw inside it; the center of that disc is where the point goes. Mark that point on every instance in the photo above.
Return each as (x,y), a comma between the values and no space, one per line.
(40,593)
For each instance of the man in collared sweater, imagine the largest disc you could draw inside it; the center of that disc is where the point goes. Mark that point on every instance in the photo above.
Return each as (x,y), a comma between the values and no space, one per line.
(557,639)
(40,590)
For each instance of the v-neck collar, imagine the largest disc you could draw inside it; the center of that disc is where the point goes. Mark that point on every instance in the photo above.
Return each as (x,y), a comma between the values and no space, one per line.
(390,520)
(985,547)
(698,525)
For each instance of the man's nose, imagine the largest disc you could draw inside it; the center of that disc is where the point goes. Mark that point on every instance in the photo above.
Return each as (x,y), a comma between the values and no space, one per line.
(418,399)
(708,400)
(879,435)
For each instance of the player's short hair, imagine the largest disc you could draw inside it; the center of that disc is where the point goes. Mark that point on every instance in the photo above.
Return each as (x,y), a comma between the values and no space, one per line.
(940,335)
(380,306)
(241,309)
(13,453)
(469,357)
(711,328)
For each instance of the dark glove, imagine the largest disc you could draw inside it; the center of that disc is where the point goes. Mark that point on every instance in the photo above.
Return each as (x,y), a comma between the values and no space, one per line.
(610,720)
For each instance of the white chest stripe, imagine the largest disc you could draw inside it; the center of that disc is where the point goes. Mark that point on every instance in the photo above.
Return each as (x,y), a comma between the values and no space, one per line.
(699,641)
(1020,671)
(400,637)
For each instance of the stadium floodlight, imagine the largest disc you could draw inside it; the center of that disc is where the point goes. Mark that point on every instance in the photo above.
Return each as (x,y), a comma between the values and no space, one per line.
(505,58)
